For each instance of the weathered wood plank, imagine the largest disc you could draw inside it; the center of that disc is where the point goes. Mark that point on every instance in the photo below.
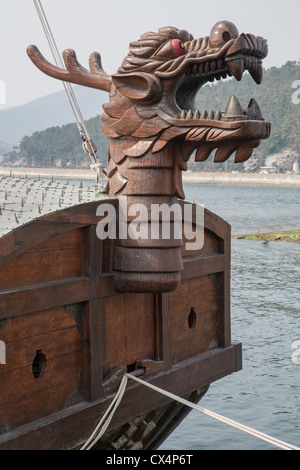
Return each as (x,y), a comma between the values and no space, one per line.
(35,267)
(224,293)
(202,302)
(53,344)
(48,226)
(194,267)
(36,323)
(210,245)
(111,312)
(39,390)
(72,426)
(192,346)
(38,405)
(193,286)
(69,240)
(139,311)
(14,302)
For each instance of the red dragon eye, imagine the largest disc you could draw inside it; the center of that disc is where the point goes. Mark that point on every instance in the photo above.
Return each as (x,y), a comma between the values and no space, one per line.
(178,47)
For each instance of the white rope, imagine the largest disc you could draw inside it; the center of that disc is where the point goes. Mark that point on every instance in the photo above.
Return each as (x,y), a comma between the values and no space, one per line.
(101,428)
(58,61)
(230,422)
(70,93)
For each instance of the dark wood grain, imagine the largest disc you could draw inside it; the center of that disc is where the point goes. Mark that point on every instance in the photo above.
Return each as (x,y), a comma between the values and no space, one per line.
(70,428)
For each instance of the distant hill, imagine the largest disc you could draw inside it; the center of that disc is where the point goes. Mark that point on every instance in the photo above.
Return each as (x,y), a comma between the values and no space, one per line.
(60,146)
(51,110)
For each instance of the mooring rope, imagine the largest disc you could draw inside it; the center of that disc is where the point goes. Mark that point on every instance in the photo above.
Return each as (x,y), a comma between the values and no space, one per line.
(230,422)
(107,417)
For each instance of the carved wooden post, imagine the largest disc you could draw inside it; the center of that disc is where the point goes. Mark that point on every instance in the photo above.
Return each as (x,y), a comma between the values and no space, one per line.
(151,263)
(153,128)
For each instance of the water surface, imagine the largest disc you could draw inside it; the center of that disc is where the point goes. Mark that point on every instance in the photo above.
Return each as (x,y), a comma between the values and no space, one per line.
(265,309)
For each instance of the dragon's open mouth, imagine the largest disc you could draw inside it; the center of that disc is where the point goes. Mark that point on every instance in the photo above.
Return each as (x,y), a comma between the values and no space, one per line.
(245,53)
(195,79)
(235,129)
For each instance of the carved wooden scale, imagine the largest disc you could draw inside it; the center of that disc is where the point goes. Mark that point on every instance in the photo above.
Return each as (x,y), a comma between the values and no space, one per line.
(153,128)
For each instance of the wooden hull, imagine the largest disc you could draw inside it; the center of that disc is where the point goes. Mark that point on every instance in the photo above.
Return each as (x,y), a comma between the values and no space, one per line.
(70,337)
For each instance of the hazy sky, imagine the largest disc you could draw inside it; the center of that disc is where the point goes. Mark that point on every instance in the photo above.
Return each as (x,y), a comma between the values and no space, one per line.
(109,26)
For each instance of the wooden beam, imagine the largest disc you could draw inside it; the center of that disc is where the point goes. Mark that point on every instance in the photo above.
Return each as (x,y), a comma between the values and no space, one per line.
(195,267)
(14,302)
(75,424)
(224,293)
(92,264)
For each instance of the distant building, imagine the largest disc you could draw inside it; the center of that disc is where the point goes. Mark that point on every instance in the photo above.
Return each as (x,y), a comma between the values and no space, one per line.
(296,168)
(268,169)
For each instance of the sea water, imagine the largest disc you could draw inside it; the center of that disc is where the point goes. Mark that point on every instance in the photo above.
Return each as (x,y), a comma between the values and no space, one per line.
(265,308)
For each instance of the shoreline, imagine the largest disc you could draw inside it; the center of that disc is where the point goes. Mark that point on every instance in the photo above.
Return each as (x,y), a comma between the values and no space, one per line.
(243,179)
(292,236)
(204,178)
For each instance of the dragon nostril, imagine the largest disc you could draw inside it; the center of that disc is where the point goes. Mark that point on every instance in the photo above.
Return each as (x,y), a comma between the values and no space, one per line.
(226,36)
(221,33)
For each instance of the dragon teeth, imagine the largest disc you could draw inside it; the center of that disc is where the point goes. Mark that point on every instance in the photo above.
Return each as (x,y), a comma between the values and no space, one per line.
(211,68)
(233,110)
(253,111)
(191,115)
(236,67)
(238,64)
(257,74)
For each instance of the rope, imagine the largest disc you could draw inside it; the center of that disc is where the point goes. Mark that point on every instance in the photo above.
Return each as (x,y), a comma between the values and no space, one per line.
(108,415)
(101,428)
(88,145)
(230,422)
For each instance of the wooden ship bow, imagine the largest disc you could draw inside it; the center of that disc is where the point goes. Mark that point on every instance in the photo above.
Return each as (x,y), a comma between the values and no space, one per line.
(141,301)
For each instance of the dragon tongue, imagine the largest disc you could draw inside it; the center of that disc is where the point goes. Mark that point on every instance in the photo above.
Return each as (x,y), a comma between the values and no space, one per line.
(236,67)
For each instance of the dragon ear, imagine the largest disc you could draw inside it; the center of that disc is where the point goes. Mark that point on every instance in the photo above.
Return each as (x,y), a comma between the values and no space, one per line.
(138,86)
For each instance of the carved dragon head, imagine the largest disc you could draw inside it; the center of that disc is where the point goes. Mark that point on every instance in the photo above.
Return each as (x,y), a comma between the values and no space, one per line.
(152,97)
(153,128)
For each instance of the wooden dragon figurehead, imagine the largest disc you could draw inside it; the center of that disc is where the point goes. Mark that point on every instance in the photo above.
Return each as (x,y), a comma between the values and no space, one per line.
(153,127)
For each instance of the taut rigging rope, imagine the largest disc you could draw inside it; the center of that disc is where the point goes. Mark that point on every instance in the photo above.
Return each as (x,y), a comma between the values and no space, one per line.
(88,145)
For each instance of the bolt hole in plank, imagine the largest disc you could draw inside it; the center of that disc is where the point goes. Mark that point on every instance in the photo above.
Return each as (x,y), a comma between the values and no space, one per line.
(39,364)
(131,367)
(192,319)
